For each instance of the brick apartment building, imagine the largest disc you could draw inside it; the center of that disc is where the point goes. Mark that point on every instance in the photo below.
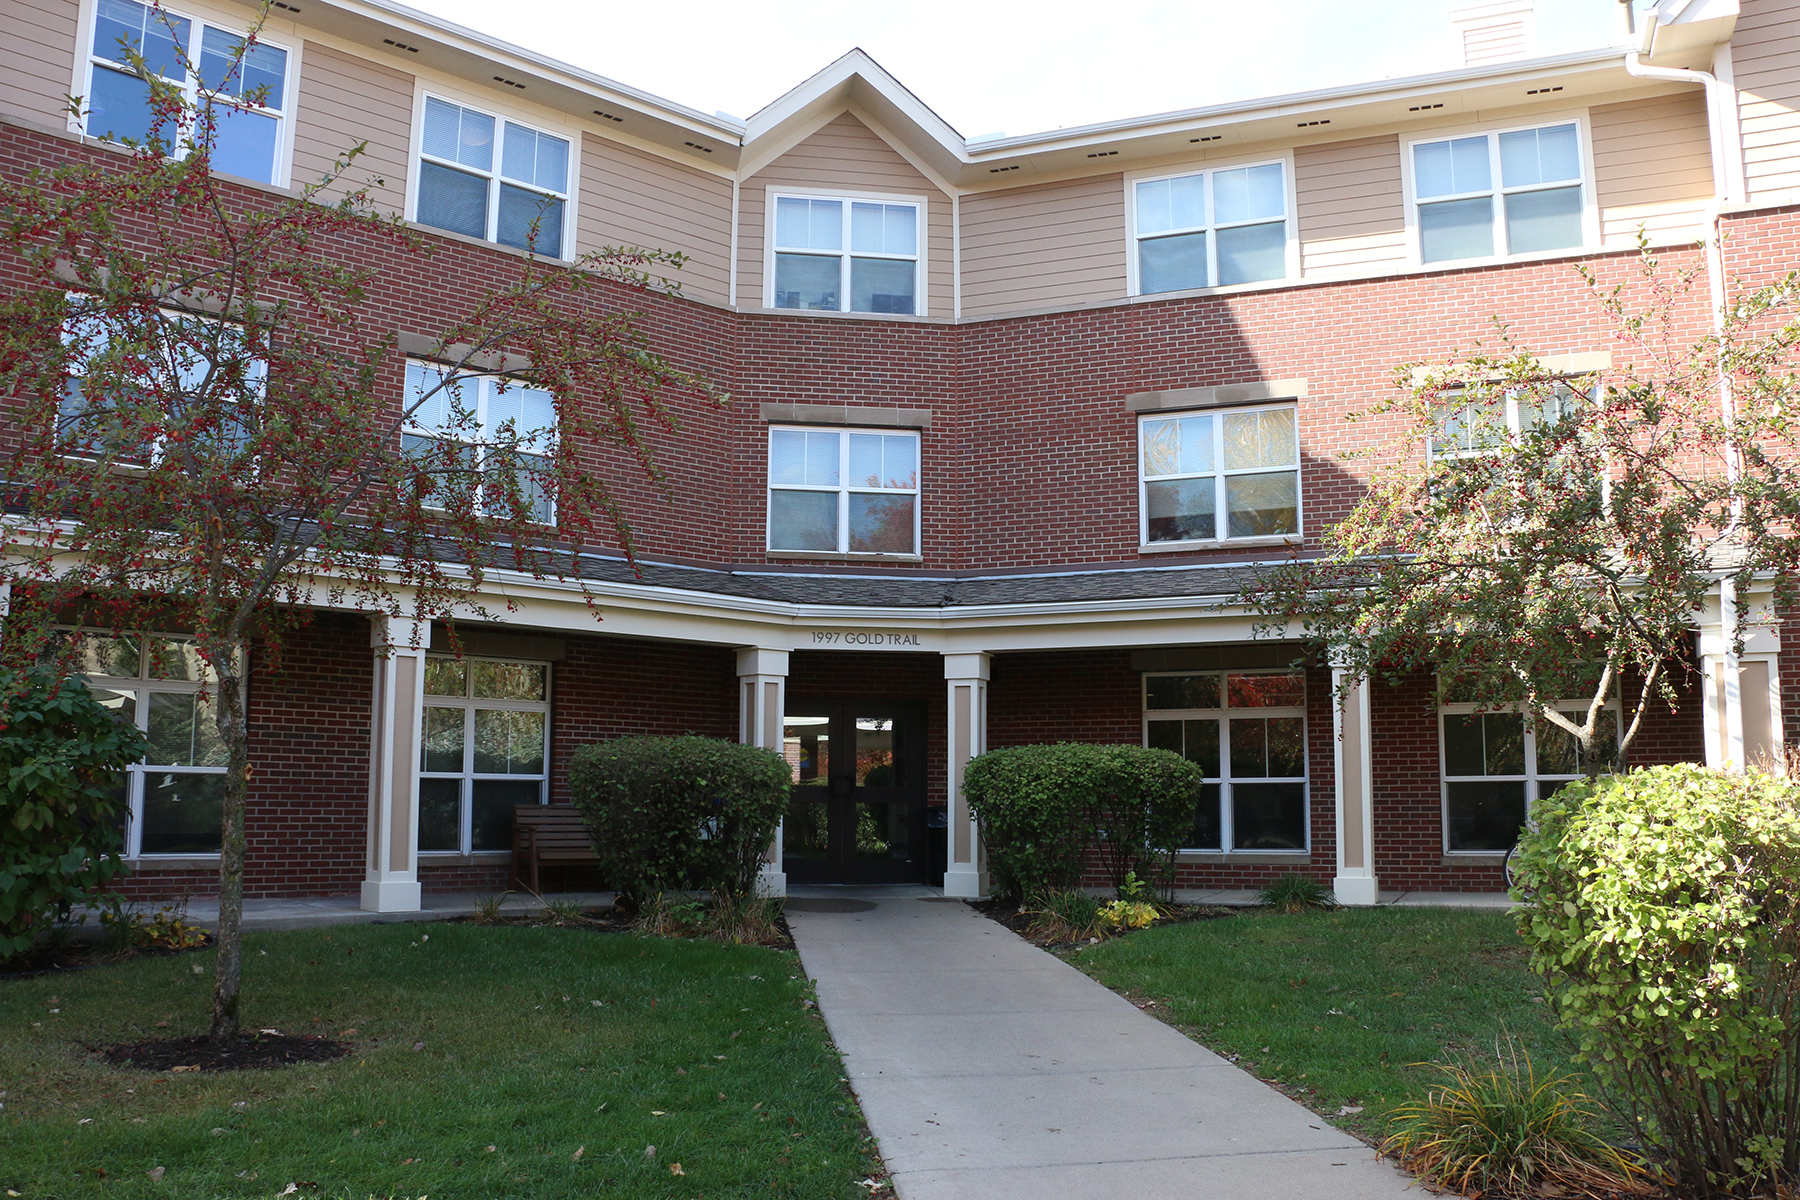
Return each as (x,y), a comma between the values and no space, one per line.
(1014,420)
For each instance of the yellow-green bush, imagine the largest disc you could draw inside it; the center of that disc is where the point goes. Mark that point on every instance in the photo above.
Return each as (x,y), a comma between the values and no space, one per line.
(1661,907)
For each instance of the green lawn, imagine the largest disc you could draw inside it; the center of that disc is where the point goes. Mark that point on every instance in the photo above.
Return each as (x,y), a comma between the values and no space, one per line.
(539,1045)
(1337,1007)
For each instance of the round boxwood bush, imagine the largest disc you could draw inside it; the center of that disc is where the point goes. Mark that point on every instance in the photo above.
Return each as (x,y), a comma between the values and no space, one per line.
(679,813)
(62,758)
(1661,907)
(1043,809)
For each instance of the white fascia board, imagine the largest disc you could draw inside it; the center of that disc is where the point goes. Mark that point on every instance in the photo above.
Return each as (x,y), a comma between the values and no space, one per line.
(854,64)
(459,37)
(1293,104)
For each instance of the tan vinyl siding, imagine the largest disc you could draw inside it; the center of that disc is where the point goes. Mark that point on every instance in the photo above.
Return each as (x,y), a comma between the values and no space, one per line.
(37,59)
(630,198)
(344,100)
(844,156)
(1765,59)
(1652,168)
(1351,207)
(1041,247)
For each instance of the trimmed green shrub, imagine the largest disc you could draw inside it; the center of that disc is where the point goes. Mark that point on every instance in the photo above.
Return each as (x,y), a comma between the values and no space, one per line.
(1043,808)
(1661,907)
(62,758)
(679,813)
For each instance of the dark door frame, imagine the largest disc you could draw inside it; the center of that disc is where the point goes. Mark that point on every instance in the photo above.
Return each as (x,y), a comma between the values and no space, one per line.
(841,863)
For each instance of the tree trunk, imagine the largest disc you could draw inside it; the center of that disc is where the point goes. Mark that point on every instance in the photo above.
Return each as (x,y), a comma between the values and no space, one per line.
(236,733)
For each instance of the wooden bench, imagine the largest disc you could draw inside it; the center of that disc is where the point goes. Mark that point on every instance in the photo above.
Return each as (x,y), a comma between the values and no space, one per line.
(552,834)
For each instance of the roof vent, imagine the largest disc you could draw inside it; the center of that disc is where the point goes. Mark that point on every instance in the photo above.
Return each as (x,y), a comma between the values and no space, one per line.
(1544,91)
(1425,107)
(509,82)
(997,170)
(1310,124)
(1211,137)
(607,116)
(288,7)
(399,45)
(1494,31)
(1104,154)
(699,147)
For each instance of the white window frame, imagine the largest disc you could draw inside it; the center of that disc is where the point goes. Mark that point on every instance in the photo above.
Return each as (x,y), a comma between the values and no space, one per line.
(1225,781)
(843,489)
(1515,421)
(1221,518)
(1532,780)
(1133,272)
(922,303)
(142,687)
(87,62)
(1590,207)
(258,371)
(494,177)
(468,776)
(484,387)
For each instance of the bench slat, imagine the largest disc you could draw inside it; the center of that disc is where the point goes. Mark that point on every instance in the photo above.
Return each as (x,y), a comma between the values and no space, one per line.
(548,833)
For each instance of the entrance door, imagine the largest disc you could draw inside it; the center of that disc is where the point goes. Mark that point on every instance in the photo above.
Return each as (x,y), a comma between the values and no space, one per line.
(858,809)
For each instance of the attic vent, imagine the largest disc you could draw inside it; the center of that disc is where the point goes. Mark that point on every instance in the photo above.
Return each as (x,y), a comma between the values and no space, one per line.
(399,45)
(288,7)
(1211,137)
(509,82)
(1424,107)
(699,147)
(1014,167)
(1542,91)
(607,116)
(1103,154)
(1310,124)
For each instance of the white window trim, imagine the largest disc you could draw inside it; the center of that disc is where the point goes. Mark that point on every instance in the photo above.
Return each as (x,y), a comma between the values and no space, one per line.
(281,171)
(141,686)
(1133,281)
(1531,779)
(1223,714)
(501,114)
(469,776)
(1221,519)
(1590,206)
(484,387)
(922,305)
(844,489)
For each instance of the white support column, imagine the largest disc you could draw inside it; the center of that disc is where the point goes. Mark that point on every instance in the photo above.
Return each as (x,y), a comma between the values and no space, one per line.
(1740,686)
(966,677)
(1353,742)
(392,882)
(762,706)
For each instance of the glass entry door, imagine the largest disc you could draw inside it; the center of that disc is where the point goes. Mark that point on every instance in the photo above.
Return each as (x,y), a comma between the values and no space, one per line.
(858,809)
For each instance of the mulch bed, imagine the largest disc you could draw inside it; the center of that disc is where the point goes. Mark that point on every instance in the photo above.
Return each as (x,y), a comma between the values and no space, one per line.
(1015,917)
(247,1052)
(78,954)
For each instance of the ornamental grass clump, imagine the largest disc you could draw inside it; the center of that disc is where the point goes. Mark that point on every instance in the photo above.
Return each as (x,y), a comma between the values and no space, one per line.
(1297,894)
(1066,915)
(1661,907)
(1498,1129)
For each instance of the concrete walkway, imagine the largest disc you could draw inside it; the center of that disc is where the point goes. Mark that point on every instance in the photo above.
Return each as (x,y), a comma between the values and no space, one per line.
(312,912)
(991,1070)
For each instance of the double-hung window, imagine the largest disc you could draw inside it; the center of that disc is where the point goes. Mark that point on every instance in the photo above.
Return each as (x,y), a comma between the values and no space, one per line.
(1520,191)
(492,178)
(159,683)
(485,441)
(245,96)
(847,255)
(169,378)
(1211,228)
(1466,428)
(1219,476)
(842,491)
(1247,732)
(1496,763)
(485,748)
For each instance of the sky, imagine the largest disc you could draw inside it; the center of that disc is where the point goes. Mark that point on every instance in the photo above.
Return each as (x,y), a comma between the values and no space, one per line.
(988,66)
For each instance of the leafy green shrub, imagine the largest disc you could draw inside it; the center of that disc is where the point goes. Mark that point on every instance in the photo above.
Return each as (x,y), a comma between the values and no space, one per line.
(1499,1129)
(62,757)
(1297,894)
(1128,914)
(679,813)
(1661,908)
(1042,808)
